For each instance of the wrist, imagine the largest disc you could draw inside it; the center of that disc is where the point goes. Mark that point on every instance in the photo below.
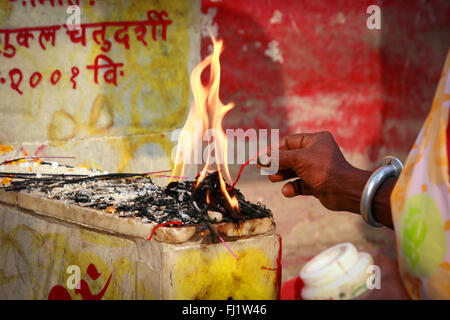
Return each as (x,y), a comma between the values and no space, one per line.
(347,187)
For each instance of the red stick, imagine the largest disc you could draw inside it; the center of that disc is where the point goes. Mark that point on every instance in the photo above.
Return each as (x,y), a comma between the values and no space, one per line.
(163,224)
(243,166)
(162,171)
(239,175)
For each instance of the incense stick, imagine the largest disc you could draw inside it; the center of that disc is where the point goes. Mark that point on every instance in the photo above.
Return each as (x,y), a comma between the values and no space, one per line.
(30,157)
(229,249)
(213,230)
(57,180)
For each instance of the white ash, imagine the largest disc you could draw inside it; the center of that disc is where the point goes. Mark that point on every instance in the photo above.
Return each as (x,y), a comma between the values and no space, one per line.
(137,196)
(46,168)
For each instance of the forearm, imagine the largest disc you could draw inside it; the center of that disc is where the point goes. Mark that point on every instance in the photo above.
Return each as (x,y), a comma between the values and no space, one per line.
(348,189)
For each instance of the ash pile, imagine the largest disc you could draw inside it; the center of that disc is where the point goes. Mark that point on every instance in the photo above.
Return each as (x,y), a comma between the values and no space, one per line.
(138,196)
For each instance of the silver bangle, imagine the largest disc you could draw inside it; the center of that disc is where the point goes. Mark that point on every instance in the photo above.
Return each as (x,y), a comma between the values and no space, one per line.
(390,167)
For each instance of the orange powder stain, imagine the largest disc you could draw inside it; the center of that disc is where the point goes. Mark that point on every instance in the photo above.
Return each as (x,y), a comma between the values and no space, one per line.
(447,225)
(445,265)
(5,149)
(6,181)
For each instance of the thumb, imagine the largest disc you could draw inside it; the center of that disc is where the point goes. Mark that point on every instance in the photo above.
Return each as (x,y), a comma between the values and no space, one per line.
(296,188)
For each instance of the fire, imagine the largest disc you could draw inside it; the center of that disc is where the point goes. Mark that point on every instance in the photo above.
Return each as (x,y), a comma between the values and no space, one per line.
(208,112)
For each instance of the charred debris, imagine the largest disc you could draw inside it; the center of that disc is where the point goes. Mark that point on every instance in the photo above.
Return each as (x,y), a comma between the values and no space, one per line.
(132,195)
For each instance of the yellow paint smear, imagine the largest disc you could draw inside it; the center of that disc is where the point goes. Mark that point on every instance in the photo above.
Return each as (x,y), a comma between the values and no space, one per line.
(218,275)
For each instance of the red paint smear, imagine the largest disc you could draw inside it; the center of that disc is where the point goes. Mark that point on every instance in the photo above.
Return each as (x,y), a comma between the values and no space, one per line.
(279,267)
(85,291)
(163,224)
(59,293)
(269,269)
(292,289)
(39,149)
(92,272)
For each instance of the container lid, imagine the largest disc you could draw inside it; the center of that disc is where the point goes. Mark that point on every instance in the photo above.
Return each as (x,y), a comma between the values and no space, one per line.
(339,272)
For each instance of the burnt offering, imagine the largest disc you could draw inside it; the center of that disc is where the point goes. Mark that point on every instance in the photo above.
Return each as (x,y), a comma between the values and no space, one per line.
(138,196)
(207,197)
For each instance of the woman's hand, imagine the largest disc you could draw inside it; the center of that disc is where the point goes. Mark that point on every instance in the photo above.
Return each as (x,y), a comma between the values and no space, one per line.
(319,163)
(322,171)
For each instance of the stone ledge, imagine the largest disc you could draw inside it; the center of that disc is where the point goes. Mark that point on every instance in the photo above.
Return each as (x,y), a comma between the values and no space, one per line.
(84,216)
(99,219)
(8,197)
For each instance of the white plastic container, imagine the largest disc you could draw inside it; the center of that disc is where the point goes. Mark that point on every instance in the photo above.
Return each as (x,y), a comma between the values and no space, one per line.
(340,272)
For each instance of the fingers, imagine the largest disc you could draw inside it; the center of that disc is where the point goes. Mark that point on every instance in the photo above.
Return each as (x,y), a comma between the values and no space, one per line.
(282,175)
(289,159)
(284,160)
(291,142)
(296,188)
(290,151)
(295,141)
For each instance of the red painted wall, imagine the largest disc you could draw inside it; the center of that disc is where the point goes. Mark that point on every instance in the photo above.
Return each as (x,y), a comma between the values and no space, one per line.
(371,88)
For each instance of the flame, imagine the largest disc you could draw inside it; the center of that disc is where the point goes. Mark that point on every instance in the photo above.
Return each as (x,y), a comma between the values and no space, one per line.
(208,111)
